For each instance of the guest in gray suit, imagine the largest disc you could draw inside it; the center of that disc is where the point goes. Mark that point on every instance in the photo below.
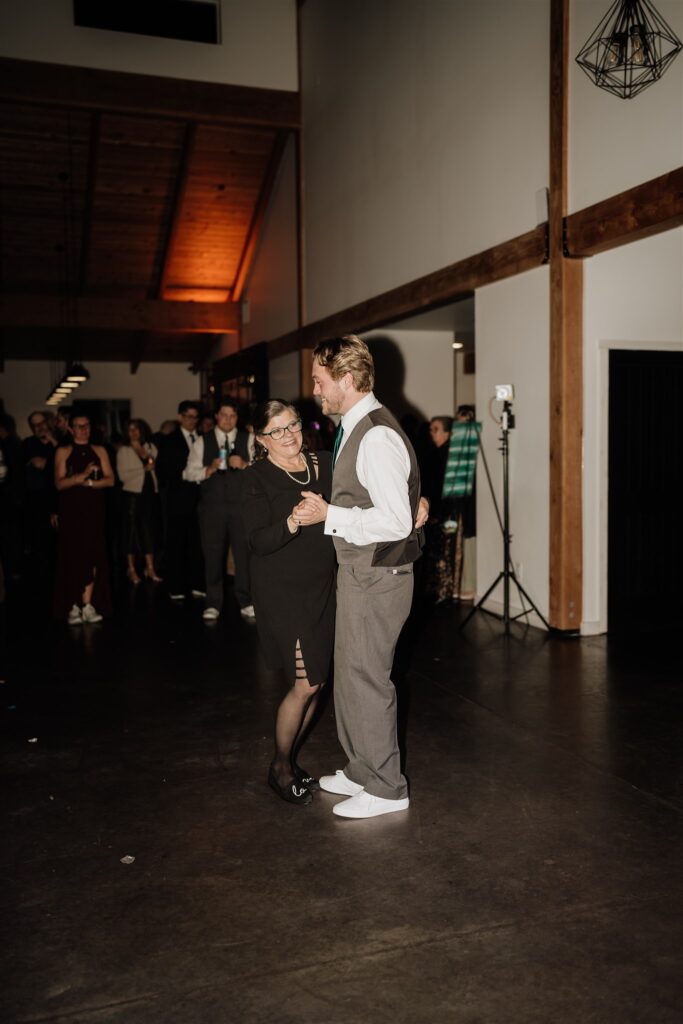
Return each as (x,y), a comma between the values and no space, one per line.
(216,462)
(371,518)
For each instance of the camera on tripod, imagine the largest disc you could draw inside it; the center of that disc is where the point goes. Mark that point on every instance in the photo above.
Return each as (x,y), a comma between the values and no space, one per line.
(505,393)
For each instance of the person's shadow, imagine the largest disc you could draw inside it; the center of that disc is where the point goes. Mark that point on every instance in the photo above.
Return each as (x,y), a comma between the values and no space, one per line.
(390,373)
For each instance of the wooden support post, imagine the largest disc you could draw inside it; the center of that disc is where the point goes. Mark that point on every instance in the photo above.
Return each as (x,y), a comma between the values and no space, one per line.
(566,358)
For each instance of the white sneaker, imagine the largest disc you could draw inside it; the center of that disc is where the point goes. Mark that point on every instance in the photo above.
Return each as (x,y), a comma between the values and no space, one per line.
(363,805)
(177,597)
(210,614)
(197,593)
(339,784)
(90,615)
(74,617)
(248,612)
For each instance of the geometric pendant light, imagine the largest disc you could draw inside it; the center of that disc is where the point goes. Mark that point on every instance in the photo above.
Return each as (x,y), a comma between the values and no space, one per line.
(630,49)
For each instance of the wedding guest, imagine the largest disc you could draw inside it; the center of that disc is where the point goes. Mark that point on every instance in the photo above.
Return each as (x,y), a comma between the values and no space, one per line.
(135,465)
(82,474)
(183,564)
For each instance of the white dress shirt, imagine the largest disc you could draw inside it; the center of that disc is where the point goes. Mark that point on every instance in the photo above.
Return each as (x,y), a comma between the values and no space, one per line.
(383,469)
(195,470)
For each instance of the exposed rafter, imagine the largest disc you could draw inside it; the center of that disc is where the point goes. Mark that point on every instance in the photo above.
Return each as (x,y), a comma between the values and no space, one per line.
(93,89)
(112,313)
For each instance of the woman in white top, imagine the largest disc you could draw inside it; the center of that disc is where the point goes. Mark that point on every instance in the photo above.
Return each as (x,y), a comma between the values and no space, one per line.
(135,463)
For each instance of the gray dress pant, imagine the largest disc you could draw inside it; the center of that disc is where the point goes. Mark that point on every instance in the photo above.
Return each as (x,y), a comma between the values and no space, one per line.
(372,605)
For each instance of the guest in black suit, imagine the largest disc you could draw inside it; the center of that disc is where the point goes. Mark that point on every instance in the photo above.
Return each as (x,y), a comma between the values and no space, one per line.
(216,463)
(184,570)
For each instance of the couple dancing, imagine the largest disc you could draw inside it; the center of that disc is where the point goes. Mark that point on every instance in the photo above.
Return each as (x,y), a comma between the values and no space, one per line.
(373,485)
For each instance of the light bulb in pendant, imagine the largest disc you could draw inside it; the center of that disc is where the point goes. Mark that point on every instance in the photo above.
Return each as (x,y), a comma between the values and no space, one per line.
(637,47)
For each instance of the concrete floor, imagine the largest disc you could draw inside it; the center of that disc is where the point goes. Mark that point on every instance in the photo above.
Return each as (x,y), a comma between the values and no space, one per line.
(535,878)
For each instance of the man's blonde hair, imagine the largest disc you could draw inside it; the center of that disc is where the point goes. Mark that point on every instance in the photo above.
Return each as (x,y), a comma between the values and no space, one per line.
(347,355)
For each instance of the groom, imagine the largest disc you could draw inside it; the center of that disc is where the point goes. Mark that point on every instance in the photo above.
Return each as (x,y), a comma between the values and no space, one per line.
(371,517)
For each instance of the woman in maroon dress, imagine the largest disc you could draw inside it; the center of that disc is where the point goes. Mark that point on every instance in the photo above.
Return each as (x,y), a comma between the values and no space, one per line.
(82,472)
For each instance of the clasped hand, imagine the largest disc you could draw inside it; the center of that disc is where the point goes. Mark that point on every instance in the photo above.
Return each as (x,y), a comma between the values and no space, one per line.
(312,509)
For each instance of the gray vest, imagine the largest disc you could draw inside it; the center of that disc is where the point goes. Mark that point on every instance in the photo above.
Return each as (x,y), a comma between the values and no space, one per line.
(226,485)
(348,492)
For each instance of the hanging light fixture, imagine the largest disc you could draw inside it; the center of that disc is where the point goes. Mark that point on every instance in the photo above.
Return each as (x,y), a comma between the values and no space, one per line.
(72,378)
(630,49)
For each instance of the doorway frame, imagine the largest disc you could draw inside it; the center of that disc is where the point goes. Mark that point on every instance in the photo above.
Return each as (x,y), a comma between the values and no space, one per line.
(605,346)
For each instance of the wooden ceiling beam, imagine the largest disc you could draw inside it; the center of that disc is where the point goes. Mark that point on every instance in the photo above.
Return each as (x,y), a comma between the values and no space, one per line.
(93,160)
(449,284)
(112,313)
(639,212)
(177,209)
(57,85)
(253,234)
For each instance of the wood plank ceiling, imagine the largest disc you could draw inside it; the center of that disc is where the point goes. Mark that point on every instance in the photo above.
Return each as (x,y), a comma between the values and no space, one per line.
(110,214)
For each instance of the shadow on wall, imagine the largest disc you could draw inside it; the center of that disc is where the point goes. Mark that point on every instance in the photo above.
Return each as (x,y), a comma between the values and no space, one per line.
(390,373)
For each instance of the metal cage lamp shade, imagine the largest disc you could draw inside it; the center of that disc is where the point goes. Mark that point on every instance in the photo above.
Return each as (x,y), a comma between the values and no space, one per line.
(630,49)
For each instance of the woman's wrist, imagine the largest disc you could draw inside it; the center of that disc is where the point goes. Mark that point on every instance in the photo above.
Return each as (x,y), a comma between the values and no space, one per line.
(291,525)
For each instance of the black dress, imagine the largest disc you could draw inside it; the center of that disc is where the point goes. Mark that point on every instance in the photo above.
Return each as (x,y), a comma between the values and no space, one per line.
(82,540)
(293,576)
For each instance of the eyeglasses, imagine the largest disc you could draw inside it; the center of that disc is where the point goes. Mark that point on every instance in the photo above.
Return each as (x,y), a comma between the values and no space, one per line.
(294,428)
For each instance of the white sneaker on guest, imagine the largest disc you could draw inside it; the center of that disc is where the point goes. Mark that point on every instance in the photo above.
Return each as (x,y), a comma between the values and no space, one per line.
(177,597)
(340,784)
(90,615)
(248,612)
(364,805)
(210,614)
(75,617)
(196,593)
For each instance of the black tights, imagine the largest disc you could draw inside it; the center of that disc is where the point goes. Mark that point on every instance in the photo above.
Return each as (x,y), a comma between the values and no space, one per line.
(292,720)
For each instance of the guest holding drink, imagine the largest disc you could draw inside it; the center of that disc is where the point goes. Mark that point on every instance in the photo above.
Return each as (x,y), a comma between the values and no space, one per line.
(82,473)
(135,465)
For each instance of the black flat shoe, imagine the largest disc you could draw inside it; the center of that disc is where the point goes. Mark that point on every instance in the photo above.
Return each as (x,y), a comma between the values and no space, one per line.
(293,792)
(304,779)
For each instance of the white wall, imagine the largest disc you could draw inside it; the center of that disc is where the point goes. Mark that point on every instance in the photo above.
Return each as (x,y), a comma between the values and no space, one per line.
(614,143)
(258,47)
(272,287)
(513,327)
(633,299)
(284,377)
(154,391)
(415,371)
(425,136)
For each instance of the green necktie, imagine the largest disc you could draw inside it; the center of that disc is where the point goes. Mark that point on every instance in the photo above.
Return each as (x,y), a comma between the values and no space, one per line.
(337,443)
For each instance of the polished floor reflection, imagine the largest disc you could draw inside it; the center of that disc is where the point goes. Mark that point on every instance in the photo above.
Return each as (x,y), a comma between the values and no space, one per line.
(535,878)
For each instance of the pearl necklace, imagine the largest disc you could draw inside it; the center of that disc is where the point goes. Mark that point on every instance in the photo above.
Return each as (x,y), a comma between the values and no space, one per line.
(302,483)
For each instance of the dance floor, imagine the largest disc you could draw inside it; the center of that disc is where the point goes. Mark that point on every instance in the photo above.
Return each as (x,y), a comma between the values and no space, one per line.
(151,877)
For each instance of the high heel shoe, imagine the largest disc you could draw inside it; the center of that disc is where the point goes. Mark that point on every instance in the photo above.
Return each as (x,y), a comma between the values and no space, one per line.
(150,574)
(132,576)
(304,779)
(292,793)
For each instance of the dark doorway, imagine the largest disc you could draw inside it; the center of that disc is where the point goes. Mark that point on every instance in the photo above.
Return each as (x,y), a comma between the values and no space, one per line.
(645,546)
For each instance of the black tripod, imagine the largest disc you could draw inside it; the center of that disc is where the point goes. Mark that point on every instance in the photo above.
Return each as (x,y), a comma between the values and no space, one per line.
(507,573)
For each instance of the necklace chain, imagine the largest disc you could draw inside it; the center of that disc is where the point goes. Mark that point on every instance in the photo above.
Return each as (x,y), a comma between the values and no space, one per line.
(301,482)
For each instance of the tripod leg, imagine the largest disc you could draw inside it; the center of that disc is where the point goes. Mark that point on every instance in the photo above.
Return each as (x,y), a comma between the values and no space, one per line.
(523,592)
(478,605)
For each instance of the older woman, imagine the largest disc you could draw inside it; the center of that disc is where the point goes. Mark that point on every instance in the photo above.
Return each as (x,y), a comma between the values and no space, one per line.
(135,462)
(82,472)
(292,581)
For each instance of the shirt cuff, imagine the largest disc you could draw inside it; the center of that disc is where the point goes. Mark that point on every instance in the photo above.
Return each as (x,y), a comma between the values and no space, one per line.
(339,519)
